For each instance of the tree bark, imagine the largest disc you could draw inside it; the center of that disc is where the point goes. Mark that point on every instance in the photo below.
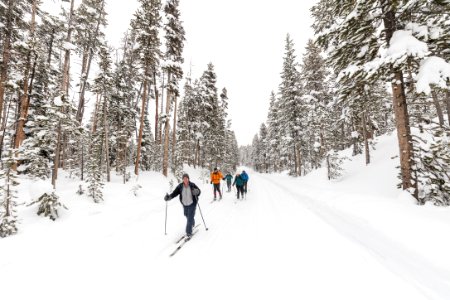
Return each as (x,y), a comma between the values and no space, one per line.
(167,132)
(447,100)
(162,109)
(401,113)
(366,140)
(174,130)
(25,99)
(141,126)
(64,92)
(6,55)
(157,138)
(105,125)
(85,74)
(439,112)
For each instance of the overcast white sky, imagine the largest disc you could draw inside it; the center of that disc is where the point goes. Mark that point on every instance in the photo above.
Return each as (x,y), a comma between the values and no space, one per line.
(244,39)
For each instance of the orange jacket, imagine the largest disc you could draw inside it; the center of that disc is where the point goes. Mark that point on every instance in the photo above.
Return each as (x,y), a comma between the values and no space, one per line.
(216,177)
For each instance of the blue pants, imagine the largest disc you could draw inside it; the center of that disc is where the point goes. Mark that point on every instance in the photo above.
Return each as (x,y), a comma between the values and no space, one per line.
(189,212)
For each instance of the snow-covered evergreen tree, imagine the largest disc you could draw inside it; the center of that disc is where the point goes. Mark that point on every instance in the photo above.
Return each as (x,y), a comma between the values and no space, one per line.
(291,111)
(433,164)
(9,178)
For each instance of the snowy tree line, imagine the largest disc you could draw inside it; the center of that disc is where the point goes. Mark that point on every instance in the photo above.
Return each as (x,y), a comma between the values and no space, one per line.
(43,124)
(374,67)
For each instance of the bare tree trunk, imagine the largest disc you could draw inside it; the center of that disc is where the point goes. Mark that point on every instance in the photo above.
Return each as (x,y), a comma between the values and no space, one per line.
(438,108)
(56,160)
(166,132)
(162,108)
(401,113)
(64,91)
(196,156)
(157,138)
(25,99)
(85,74)
(447,100)
(174,130)
(6,55)
(141,126)
(105,124)
(366,140)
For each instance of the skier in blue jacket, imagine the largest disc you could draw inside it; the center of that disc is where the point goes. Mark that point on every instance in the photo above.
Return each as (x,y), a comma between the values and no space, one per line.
(244,177)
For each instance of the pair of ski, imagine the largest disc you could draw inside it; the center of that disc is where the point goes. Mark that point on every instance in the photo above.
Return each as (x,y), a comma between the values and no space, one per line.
(183,240)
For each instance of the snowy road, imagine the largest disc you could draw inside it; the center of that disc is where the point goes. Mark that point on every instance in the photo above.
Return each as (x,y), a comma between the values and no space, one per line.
(279,243)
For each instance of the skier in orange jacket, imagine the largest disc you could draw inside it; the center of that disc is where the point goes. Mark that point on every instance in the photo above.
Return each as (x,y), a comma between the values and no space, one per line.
(216,177)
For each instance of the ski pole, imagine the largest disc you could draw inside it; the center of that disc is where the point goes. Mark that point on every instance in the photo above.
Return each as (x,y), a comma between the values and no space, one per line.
(165,225)
(202,215)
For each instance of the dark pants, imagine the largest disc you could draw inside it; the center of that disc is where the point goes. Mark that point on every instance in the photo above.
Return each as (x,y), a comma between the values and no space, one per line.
(217,188)
(245,187)
(229,185)
(189,212)
(240,189)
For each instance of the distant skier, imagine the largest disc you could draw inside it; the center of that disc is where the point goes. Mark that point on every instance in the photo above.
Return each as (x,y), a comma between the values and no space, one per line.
(216,177)
(239,182)
(189,193)
(244,177)
(228,178)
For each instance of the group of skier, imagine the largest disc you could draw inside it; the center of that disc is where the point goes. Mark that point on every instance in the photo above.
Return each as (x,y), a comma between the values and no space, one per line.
(189,193)
(240,181)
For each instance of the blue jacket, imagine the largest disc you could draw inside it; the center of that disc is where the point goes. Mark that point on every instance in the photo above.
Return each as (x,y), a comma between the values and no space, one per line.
(244,176)
(238,181)
(228,177)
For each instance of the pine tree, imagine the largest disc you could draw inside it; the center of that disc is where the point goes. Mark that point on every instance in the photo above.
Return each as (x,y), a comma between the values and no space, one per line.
(173,60)
(354,45)
(274,134)
(433,164)
(90,18)
(291,110)
(8,217)
(316,98)
(146,25)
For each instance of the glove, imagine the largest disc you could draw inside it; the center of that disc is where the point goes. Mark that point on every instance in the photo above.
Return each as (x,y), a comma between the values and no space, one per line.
(195,192)
(167,197)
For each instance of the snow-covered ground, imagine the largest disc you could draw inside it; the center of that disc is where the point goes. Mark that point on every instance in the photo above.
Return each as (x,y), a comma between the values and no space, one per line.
(291,238)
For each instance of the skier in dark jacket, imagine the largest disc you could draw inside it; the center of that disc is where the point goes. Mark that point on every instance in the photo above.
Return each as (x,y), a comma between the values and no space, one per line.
(239,185)
(228,178)
(189,193)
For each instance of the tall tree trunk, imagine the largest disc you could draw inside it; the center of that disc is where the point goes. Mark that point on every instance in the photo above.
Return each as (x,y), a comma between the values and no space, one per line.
(157,138)
(366,140)
(447,101)
(401,113)
(64,92)
(439,112)
(174,130)
(167,131)
(105,125)
(141,126)
(197,153)
(56,159)
(4,66)
(85,74)
(162,109)
(25,99)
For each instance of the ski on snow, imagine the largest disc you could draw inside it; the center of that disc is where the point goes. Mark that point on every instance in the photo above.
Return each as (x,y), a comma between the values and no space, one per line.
(183,241)
(184,235)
